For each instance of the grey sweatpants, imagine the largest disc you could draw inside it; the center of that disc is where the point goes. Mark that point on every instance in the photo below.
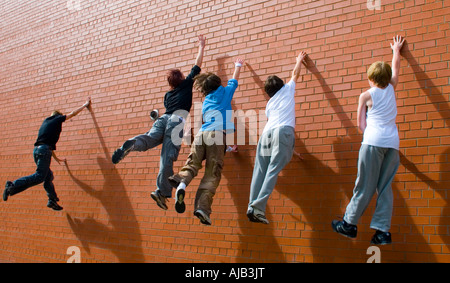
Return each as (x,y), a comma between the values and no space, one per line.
(161,133)
(377,167)
(274,151)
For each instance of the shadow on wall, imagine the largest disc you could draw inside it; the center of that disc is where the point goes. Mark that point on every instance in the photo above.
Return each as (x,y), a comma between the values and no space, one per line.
(313,179)
(258,241)
(442,107)
(122,236)
(306,194)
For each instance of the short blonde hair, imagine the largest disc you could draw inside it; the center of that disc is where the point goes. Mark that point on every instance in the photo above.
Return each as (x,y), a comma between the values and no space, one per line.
(56,112)
(380,73)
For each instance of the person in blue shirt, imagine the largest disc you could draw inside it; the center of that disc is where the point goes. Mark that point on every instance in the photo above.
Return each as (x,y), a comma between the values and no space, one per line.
(209,144)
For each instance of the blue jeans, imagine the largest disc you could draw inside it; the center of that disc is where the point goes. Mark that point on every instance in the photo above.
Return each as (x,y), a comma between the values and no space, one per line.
(161,133)
(42,158)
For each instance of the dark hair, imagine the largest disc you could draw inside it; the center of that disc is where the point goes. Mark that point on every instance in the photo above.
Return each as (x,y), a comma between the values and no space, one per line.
(272,85)
(174,77)
(207,82)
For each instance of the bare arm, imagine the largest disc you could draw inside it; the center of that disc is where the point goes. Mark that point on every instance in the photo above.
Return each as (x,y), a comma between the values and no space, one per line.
(201,50)
(396,47)
(361,115)
(78,110)
(298,65)
(237,69)
(56,157)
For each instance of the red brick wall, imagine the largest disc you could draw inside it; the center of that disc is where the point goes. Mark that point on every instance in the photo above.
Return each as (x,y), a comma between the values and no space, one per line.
(54,55)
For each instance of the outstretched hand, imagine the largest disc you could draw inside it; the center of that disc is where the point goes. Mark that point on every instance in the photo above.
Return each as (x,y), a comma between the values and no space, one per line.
(239,61)
(237,67)
(398,43)
(201,41)
(301,57)
(59,160)
(88,102)
(298,155)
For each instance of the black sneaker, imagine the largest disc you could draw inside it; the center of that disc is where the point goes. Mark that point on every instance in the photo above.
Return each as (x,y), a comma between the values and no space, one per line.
(7,192)
(204,218)
(160,199)
(54,205)
(343,228)
(381,238)
(180,206)
(123,151)
(250,216)
(255,215)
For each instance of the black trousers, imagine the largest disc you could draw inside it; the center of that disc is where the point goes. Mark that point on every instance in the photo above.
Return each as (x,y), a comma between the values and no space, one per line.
(42,157)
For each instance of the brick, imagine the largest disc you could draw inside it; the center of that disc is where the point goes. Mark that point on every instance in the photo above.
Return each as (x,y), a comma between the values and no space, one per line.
(119,54)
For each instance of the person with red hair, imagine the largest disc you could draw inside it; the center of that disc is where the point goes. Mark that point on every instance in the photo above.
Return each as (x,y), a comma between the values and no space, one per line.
(178,103)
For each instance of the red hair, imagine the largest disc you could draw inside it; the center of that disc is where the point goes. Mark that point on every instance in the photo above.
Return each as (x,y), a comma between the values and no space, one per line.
(174,77)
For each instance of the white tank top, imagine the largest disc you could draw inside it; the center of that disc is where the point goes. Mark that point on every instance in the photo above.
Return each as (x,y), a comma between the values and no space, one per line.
(381,129)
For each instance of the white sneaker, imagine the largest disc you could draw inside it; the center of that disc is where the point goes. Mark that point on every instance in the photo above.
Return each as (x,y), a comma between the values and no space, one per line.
(180,206)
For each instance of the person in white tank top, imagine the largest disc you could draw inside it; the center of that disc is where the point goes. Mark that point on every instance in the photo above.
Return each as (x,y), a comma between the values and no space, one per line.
(381,129)
(378,159)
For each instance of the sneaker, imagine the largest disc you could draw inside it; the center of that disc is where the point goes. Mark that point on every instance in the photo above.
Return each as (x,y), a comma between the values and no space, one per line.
(256,215)
(123,151)
(54,205)
(175,180)
(343,228)
(381,238)
(160,199)
(204,218)
(180,206)
(250,215)
(7,192)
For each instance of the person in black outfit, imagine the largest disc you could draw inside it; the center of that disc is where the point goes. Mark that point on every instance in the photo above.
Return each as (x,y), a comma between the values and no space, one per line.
(44,148)
(167,129)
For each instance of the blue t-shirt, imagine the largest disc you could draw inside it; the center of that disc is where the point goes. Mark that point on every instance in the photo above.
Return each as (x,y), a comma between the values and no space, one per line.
(216,106)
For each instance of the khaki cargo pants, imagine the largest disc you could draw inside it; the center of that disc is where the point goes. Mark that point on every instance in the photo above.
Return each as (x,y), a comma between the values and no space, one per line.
(209,146)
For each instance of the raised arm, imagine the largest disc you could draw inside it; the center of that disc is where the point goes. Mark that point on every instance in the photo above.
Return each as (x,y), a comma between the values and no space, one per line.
(78,110)
(396,47)
(296,72)
(237,68)
(201,50)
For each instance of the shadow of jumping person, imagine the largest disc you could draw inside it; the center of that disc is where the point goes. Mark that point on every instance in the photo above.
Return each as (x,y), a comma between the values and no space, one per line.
(122,234)
(442,106)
